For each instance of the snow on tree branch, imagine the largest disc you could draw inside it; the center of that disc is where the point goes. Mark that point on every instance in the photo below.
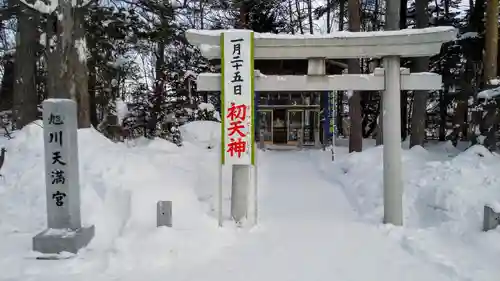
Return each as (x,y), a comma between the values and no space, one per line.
(42,7)
(489,93)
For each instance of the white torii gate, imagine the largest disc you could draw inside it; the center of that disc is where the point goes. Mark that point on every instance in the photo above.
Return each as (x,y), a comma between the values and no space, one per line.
(389,45)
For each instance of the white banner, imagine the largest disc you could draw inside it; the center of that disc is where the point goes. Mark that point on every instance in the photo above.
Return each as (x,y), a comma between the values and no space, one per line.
(237,97)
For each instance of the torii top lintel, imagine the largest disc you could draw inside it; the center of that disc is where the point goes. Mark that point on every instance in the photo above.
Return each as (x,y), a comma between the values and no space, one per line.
(405,43)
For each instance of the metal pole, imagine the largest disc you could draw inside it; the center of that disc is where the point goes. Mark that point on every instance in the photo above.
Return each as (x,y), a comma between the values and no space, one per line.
(252,194)
(393,183)
(255,192)
(333,114)
(220,189)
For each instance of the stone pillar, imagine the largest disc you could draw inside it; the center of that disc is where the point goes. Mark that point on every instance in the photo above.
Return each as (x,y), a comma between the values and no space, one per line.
(64,232)
(164,213)
(491,218)
(393,182)
(241,180)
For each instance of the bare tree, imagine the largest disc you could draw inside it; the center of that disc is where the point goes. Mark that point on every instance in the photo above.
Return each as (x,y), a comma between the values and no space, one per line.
(356,136)
(67,61)
(290,13)
(328,16)
(420,97)
(491,41)
(25,100)
(299,14)
(202,14)
(309,15)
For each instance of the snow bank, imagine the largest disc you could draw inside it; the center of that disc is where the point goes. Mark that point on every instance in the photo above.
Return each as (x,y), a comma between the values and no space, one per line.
(331,210)
(120,186)
(445,191)
(109,174)
(440,188)
(206,106)
(201,133)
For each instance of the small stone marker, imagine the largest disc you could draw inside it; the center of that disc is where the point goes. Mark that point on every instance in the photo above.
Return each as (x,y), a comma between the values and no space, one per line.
(300,139)
(65,232)
(164,213)
(262,143)
(491,219)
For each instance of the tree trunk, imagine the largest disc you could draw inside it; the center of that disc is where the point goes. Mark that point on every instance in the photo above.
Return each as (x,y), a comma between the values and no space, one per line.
(67,61)
(403,8)
(461,100)
(477,16)
(7,88)
(341,15)
(491,41)
(310,16)
(443,115)
(244,14)
(159,89)
(66,83)
(392,22)
(446,8)
(202,15)
(53,57)
(299,15)
(490,121)
(419,97)
(356,137)
(92,82)
(328,16)
(25,100)
(290,12)
(79,64)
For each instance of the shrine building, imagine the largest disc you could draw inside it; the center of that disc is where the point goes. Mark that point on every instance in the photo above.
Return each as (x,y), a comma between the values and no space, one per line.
(283,117)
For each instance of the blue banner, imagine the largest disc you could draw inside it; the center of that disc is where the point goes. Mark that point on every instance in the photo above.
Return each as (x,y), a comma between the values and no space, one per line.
(325,105)
(331,111)
(369,4)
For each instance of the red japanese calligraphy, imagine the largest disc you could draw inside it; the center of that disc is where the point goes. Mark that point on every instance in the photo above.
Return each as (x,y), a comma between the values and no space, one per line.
(237,146)
(237,112)
(236,116)
(235,127)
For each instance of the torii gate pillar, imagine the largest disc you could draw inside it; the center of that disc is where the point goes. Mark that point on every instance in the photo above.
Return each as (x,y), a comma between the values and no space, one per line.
(391,114)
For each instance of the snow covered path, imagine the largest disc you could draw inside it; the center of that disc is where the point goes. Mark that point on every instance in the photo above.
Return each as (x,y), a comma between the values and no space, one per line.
(292,189)
(307,231)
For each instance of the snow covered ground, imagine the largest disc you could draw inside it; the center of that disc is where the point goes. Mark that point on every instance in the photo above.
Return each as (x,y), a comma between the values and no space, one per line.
(318,220)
